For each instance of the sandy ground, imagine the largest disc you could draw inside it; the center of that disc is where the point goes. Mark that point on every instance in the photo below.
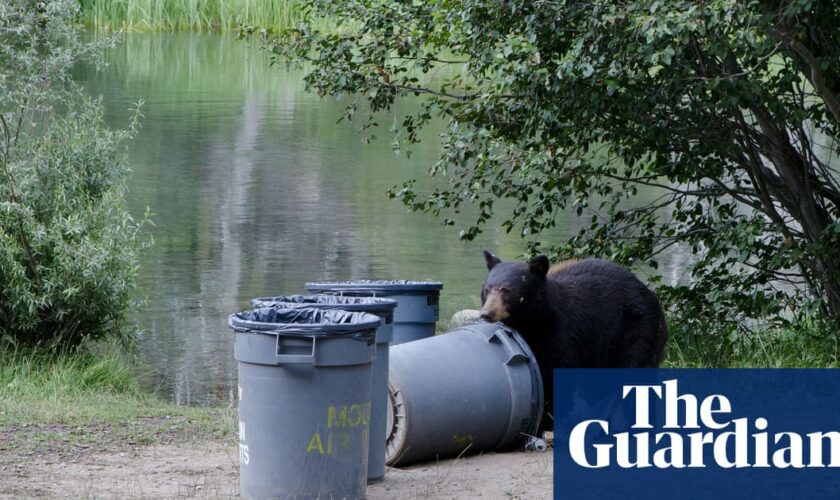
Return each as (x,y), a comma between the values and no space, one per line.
(211,470)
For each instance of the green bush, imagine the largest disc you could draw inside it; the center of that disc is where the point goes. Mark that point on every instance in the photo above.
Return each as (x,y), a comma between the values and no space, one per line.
(68,246)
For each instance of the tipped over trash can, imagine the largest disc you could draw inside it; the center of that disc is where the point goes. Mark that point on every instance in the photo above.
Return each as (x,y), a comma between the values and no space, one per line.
(417,303)
(476,388)
(384,308)
(304,401)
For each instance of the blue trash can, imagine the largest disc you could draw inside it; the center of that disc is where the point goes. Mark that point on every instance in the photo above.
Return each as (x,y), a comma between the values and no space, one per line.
(304,401)
(384,308)
(417,303)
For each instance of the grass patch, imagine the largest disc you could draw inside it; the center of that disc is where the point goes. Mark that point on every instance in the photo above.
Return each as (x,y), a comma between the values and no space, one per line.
(806,344)
(75,399)
(189,15)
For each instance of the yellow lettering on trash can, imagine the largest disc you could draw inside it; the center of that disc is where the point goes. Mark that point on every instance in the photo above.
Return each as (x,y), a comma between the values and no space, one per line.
(331,441)
(354,415)
(315,443)
(337,417)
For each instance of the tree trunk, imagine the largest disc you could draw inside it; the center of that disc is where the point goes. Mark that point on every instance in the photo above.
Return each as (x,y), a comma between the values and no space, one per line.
(802,202)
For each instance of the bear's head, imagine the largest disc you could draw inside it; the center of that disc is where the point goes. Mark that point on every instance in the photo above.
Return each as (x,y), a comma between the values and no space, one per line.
(513,291)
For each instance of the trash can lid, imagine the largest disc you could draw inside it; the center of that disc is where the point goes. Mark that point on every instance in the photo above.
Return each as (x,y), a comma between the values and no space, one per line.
(372,305)
(375,286)
(310,322)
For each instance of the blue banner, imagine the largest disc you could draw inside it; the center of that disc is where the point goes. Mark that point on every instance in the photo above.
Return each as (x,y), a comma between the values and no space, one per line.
(696,433)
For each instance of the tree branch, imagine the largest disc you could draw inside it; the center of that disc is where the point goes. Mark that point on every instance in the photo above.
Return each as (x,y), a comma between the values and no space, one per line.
(816,75)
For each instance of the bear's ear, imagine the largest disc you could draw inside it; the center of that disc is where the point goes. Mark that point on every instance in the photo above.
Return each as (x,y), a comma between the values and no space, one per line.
(539,265)
(491,260)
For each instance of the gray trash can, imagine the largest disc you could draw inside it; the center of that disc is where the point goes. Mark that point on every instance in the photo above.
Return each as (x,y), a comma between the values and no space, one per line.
(417,303)
(473,389)
(304,401)
(384,308)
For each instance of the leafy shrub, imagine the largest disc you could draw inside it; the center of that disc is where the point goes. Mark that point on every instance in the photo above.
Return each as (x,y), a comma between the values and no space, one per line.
(68,246)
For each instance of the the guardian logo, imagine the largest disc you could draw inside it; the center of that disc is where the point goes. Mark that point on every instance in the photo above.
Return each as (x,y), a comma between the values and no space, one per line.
(733,442)
(696,434)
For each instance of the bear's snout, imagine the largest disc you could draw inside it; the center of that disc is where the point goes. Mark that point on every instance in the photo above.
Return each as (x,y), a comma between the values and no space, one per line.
(494,308)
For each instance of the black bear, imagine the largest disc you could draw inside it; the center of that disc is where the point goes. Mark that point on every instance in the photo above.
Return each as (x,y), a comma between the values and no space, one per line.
(578,314)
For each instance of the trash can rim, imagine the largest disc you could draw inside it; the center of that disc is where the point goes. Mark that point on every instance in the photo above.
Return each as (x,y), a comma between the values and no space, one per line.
(375,286)
(338,322)
(328,301)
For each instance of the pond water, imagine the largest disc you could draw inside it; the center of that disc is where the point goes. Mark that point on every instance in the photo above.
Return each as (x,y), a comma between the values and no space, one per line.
(256,190)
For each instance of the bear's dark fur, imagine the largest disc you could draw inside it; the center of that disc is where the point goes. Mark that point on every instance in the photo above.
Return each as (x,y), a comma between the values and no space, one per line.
(579,314)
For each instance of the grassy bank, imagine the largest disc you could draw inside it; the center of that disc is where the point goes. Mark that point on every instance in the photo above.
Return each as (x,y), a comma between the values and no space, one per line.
(192,15)
(803,345)
(70,401)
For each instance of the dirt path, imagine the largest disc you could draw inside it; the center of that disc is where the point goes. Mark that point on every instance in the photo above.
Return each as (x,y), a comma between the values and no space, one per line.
(50,462)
